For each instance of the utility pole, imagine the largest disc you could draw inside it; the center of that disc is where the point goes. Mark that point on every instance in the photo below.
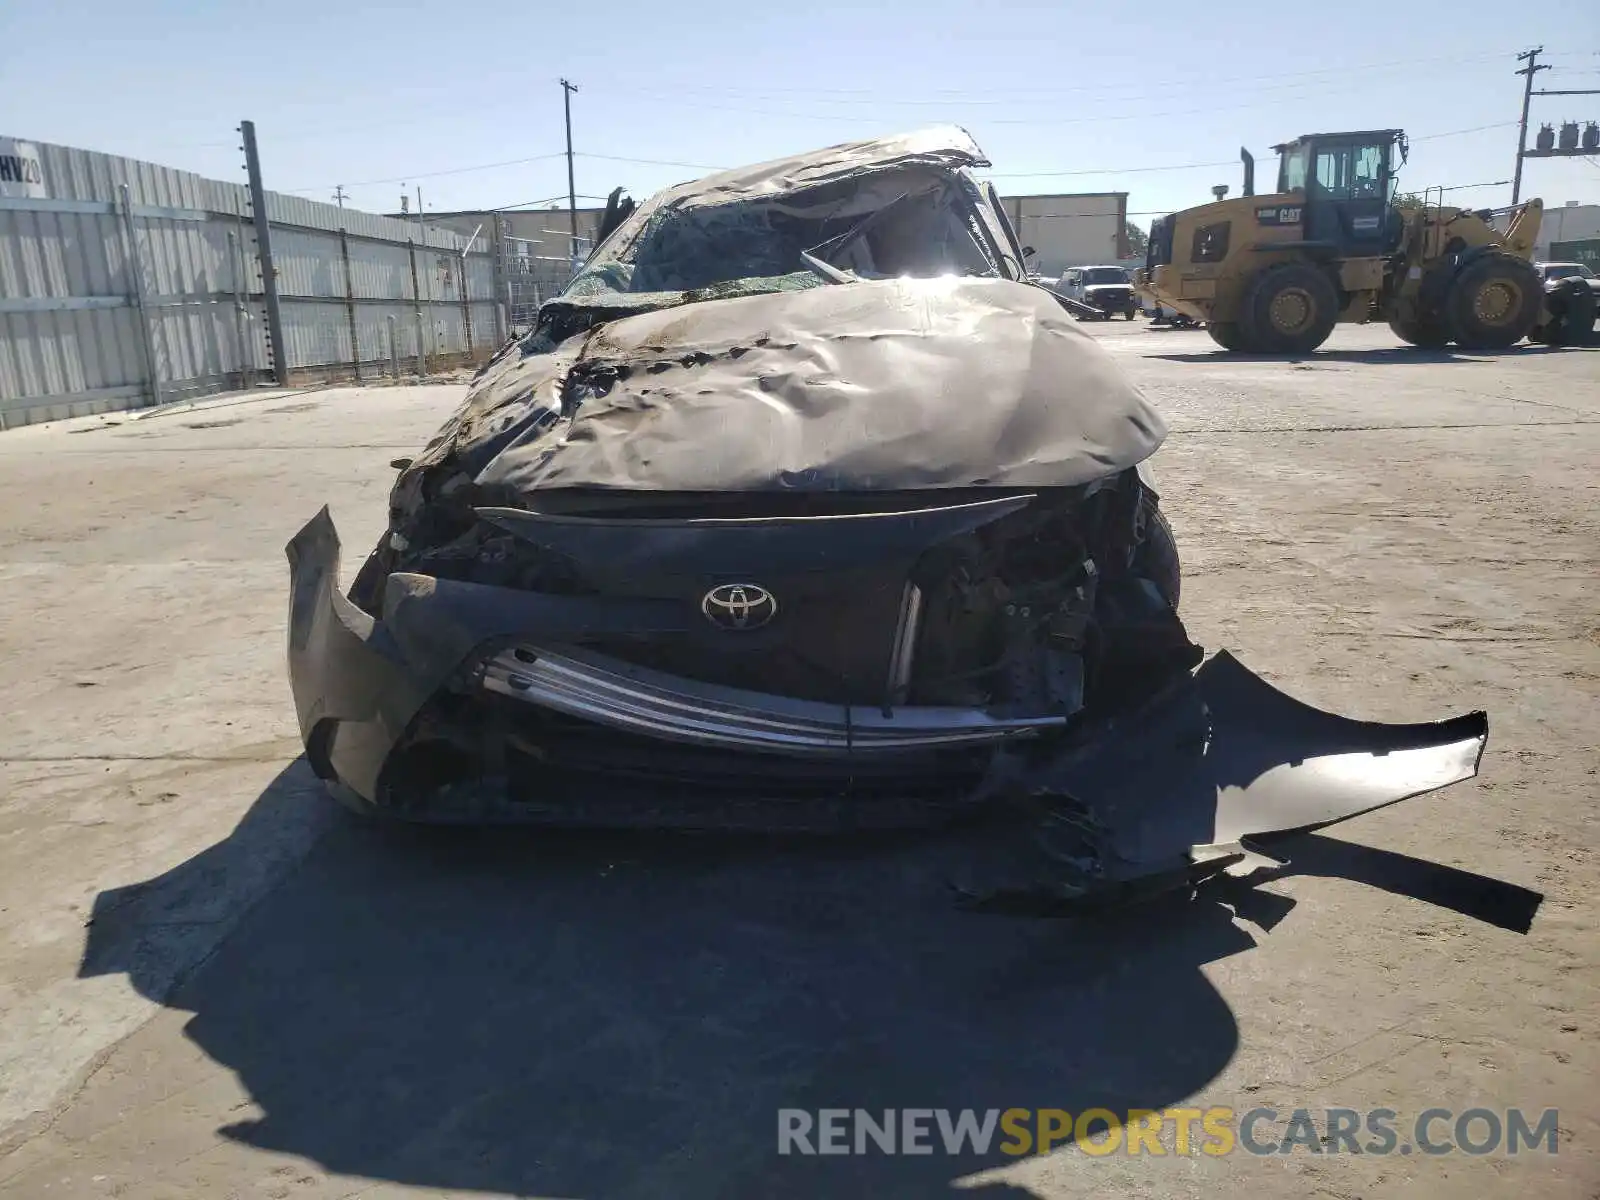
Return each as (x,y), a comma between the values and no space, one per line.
(1531,57)
(339,194)
(269,271)
(572,188)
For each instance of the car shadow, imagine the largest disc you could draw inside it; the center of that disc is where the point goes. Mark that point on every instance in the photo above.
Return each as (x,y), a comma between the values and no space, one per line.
(1396,355)
(572,1014)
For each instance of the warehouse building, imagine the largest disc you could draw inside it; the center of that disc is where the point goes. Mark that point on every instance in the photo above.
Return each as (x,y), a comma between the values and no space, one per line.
(1570,233)
(1070,230)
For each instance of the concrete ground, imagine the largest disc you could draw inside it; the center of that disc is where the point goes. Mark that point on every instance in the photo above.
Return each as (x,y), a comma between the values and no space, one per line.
(214,984)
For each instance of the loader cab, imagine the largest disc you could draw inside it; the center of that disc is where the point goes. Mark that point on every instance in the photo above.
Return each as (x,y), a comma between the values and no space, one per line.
(1348,180)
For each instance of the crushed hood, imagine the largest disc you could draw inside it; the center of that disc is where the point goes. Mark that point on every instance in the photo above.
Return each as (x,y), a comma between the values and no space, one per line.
(870,386)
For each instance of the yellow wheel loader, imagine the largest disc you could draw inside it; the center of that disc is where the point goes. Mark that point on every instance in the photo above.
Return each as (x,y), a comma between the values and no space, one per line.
(1273,274)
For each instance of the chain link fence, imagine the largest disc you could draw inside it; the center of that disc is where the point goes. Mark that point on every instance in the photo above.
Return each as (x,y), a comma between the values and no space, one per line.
(528,273)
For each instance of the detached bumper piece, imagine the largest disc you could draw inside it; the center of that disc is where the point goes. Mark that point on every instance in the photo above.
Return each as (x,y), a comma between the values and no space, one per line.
(1218,768)
(595,688)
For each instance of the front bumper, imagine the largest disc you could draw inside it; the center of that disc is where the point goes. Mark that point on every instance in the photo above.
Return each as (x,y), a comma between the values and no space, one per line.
(1165,287)
(1114,300)
(1171,790)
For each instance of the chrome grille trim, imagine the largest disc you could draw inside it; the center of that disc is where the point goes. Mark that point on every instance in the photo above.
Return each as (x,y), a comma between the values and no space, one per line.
(654,704)
(903,655)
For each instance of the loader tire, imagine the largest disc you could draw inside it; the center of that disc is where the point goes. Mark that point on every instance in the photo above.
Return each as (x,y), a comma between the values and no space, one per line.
(1226,334)
(1493,303)
(1570,311)
(1289,309)
(1428,334)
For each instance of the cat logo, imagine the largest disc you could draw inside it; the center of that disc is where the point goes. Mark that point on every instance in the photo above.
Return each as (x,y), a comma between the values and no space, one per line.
(1273,214)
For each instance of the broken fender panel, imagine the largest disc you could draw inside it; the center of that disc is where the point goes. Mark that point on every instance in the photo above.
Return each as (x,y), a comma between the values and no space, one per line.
(1224,757)
(359,681)
(353,691)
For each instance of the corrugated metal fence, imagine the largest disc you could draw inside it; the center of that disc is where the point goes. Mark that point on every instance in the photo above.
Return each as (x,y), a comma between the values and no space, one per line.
(124,283)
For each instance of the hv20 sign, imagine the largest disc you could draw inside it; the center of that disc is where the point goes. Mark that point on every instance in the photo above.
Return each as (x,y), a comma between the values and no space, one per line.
(21,169)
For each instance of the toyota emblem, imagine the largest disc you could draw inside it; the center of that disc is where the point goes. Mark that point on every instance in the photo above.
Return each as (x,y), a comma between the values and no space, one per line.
(739,606)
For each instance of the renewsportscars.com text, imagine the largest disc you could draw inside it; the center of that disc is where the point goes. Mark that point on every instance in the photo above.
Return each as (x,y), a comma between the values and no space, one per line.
(1177,1131)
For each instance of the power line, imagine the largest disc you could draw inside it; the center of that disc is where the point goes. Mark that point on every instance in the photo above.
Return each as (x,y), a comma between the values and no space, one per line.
(514,162)
(1230,107)
(1428,137)
(947,97)
(962,95)
(511,162)
(867,96)
(1137,212)
(308,129)
(659,162)
(1114,92)
(1049,120)
(655,162)
(1227,162)
(521,204)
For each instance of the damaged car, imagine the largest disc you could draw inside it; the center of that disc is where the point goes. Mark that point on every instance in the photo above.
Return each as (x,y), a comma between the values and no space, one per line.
(801,509)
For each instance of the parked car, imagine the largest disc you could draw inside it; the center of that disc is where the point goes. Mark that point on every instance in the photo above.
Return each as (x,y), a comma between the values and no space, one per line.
(1554,272)
(1572,296)
(1109,289)
(800,509)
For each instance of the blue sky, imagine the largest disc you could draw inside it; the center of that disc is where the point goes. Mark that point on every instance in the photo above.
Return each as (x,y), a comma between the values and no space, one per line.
(372,96)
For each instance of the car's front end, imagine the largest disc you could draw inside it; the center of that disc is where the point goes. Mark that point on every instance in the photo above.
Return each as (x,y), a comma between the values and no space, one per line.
(799,509)
(1571,304)
(862,659)
(1553,274)
(677,534)
(1113,299)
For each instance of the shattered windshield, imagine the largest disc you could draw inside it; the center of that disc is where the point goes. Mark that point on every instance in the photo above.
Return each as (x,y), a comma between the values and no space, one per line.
(915,221)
